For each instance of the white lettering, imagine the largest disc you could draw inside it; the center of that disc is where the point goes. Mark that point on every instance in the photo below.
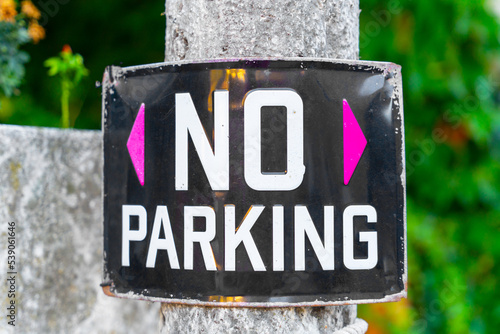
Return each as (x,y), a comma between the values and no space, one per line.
(129,235)
(294,174)
(370,213)
(278,238)
(215,162)
(162,219)
(233,237)
(204,238)
(304,225)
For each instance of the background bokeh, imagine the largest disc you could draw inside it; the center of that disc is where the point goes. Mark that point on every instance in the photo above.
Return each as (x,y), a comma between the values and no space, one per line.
(450,54)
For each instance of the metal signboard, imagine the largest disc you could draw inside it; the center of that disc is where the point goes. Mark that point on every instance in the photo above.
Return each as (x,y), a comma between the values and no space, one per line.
(255,182)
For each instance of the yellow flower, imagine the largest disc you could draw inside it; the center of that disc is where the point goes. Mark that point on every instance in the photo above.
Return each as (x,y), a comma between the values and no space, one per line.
(36,32)
(7,10)
(28,8)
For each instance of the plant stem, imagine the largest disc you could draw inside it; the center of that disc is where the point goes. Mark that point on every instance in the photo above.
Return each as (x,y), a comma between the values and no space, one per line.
(65,104)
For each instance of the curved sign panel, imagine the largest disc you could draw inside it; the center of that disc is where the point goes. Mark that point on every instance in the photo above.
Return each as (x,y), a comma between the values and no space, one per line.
(255,182)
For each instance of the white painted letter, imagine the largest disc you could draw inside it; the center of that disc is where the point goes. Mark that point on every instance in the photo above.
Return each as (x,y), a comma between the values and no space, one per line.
(161,218)
(278,238)
(204,238)
(132,235)
(370,213)
(234,237)
(304,225)
(215,162)
(295,169)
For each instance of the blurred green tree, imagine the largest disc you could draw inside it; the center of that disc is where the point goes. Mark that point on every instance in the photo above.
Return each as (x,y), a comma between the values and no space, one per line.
(450,53)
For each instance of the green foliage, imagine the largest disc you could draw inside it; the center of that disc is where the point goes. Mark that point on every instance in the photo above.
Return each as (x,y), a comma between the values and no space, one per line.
(450,53)
(70,69)
(12,36)
(111,32)
(68,66)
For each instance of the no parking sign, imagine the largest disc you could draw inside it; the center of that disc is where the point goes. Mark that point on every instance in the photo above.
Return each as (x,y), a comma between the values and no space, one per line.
(255,182)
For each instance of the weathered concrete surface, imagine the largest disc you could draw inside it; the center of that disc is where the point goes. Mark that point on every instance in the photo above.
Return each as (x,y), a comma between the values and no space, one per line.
(311,320)
(50,186)
(262,28)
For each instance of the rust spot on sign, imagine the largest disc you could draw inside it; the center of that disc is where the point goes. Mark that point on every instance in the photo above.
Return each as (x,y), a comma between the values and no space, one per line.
(107,291)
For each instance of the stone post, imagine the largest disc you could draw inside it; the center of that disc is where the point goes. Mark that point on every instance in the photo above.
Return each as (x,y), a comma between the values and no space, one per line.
(50,189)
(261,28)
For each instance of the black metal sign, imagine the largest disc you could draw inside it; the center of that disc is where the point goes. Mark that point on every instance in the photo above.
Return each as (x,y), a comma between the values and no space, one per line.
(255,182)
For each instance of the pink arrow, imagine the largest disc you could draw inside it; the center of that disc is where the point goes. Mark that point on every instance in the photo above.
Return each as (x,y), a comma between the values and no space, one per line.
(354,143)
(135,145)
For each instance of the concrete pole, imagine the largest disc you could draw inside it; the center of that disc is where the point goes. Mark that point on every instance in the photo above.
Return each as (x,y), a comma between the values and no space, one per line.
(208,29)
(261,28)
